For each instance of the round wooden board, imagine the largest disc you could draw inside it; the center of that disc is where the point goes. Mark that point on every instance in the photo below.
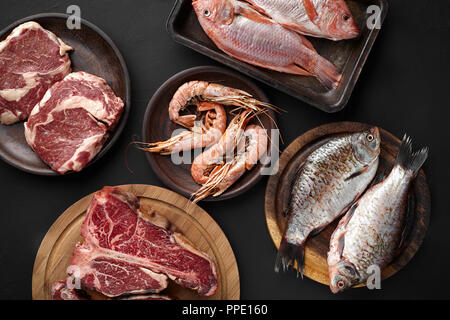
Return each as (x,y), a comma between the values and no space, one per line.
(94,52)
(157,126)
(192,221)
(278,190)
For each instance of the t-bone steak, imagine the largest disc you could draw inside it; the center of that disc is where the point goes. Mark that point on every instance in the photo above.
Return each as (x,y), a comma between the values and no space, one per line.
(68,127)
(60,290)
(32,59)
(124,253)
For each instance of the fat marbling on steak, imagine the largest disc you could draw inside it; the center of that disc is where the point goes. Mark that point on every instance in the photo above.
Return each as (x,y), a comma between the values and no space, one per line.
(68,127)
(122,251)
(60,290)
(32,59)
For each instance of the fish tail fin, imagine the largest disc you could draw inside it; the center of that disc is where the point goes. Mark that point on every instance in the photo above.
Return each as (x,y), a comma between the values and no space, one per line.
(409,159)
(289,254)
(326,73)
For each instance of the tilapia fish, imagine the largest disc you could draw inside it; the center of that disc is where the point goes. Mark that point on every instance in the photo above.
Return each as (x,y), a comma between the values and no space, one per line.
(371,232)
(330,19)
(245,34)
(329,181)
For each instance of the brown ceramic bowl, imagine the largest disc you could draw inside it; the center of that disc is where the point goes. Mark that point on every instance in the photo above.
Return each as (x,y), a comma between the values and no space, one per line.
(158,127)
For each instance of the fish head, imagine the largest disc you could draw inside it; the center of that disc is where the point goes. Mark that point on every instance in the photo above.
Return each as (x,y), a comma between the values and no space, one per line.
(215,12)
(366,145)
(339,20)
(343,276)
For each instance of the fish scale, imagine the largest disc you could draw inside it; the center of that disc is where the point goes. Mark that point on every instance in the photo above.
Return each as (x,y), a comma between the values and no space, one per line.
(371,231)
(247,35)
(330,19)
(328,182)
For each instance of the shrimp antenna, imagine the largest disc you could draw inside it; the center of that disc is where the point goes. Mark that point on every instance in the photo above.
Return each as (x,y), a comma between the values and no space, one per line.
(276,126)
(126,157)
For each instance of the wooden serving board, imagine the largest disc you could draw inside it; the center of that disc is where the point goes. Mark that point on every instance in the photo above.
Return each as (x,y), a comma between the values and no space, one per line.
(278,190)
(192,221)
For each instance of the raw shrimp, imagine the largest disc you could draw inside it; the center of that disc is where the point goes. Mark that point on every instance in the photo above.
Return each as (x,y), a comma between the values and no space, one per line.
(202,136)
(206,162)
(195,91)
(222,177)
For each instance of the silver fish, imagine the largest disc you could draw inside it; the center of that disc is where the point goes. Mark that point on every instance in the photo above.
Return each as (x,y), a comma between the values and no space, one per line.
(370,233)
(329,181)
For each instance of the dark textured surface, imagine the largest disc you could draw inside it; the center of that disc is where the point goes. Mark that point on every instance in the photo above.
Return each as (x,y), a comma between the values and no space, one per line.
(403,88)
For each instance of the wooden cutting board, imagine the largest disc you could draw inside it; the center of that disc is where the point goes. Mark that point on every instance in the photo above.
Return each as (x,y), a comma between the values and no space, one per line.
(279,188)
(192,221)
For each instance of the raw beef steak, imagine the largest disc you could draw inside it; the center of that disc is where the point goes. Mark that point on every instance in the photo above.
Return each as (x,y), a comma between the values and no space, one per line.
(147,297)
(60,291)
(68,127)
(113,274)
(32,59)
(119,241)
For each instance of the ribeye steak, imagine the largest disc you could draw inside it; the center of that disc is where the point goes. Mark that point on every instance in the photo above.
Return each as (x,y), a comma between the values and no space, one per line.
(68,127)
(32,59)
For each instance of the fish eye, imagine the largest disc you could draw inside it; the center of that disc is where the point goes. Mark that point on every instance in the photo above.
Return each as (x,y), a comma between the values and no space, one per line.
(340,284)
(206,13)
(370,138)
(345,17)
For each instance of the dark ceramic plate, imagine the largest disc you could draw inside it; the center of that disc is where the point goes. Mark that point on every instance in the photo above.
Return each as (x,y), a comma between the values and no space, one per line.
(349,55)
(94,52)
(158,127)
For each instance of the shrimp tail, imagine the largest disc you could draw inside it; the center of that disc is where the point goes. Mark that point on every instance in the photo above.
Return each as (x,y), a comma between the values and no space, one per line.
(186,121)
(164,147)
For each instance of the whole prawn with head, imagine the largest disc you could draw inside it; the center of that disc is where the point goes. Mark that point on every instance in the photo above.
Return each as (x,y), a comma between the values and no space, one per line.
(201,134)
(222,165)
(196,91)
(208,97)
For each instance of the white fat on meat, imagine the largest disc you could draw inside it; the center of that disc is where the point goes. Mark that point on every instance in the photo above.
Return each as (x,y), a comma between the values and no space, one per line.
(78,112)
(26,82)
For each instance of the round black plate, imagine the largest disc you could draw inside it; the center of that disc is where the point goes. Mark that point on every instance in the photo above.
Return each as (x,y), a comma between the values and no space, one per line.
(158,127)
(94,52)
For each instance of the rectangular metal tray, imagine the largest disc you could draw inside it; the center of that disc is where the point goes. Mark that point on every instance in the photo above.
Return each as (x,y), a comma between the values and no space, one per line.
(348,55)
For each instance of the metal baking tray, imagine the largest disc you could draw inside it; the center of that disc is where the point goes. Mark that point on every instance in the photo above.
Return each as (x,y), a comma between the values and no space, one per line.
(348,55)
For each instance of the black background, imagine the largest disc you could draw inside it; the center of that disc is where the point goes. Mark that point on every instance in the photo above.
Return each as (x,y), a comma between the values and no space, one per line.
(404,87)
